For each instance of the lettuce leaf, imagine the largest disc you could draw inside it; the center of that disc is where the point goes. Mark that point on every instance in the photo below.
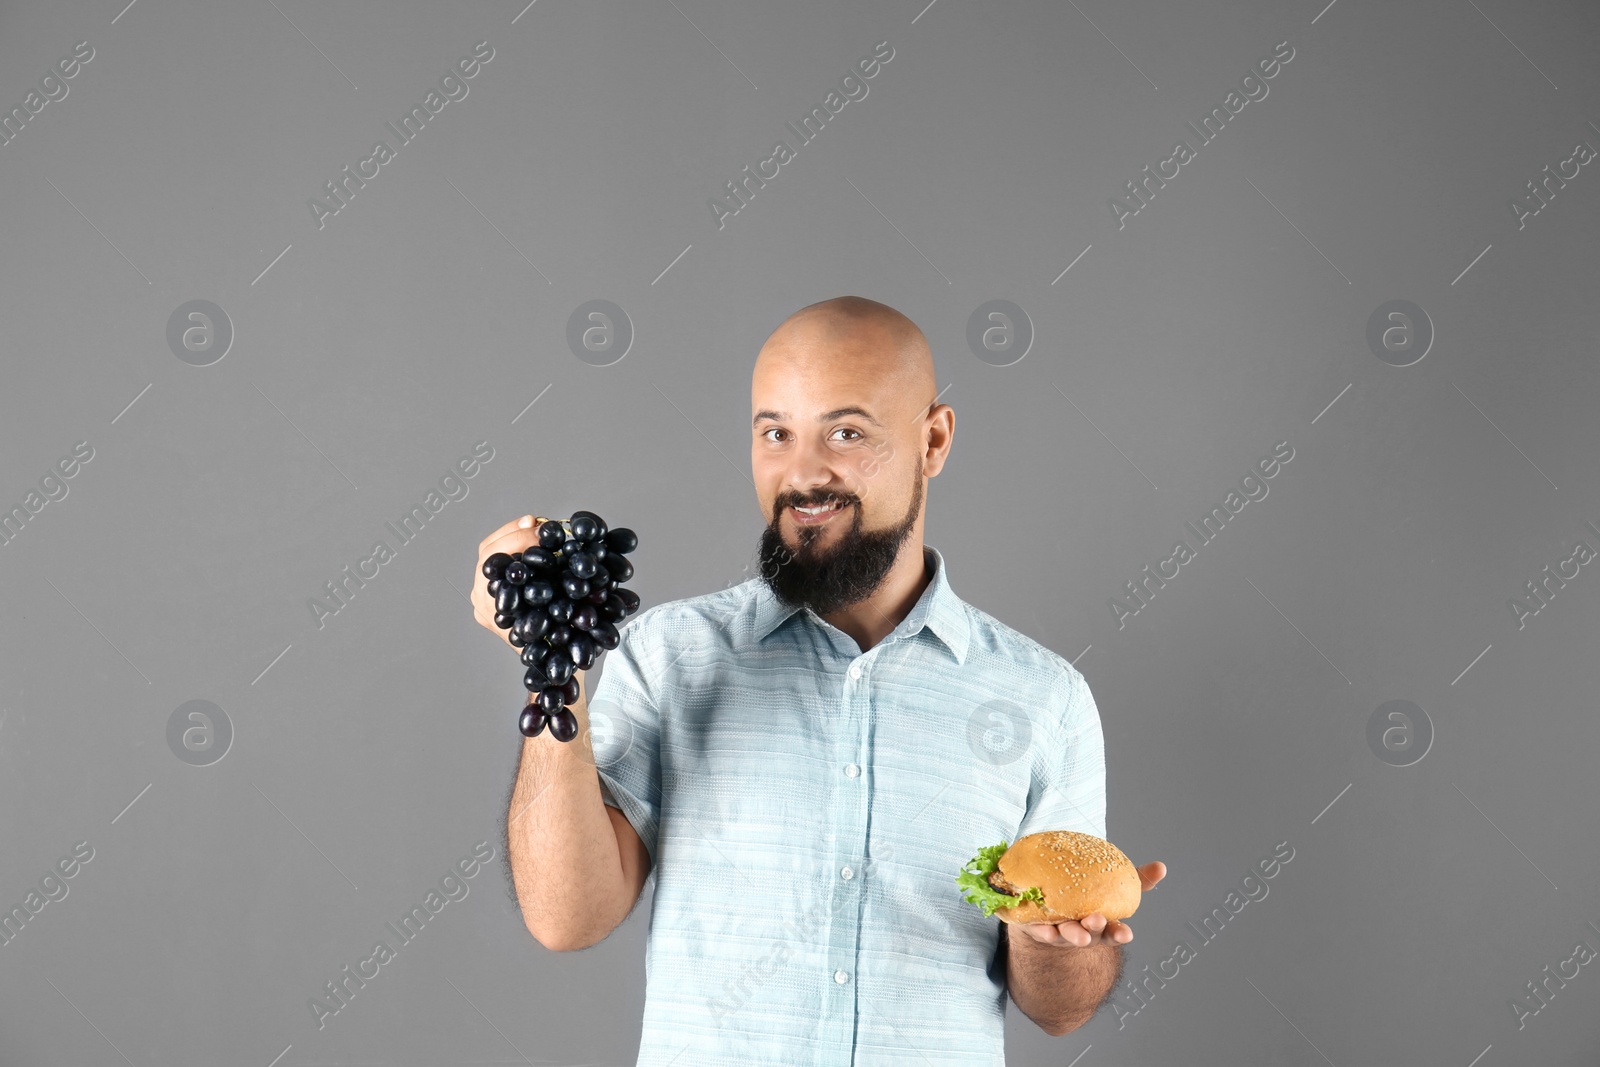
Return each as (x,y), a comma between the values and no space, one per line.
(974,882)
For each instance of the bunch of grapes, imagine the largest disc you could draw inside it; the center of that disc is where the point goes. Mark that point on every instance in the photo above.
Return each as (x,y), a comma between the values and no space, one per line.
(562,599)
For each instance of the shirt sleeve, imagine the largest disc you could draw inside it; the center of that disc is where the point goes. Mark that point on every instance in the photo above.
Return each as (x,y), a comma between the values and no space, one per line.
(1070,791)
(625,728)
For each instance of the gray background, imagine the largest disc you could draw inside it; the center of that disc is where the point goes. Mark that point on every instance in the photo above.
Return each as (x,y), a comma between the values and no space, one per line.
(371,753)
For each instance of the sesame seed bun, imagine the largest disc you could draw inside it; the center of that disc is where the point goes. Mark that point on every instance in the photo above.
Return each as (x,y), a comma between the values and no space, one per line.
(1079,874)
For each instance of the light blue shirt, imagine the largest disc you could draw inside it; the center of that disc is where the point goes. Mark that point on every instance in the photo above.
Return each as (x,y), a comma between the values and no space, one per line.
(808,805)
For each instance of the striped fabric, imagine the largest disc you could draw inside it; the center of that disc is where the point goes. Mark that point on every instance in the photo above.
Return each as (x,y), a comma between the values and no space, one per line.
(808,806)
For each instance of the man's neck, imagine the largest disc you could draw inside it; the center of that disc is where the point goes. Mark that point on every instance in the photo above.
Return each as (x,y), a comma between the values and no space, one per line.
(871,620)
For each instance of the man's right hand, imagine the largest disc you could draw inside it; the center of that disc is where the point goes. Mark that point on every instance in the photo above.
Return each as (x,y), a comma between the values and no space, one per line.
(514,536)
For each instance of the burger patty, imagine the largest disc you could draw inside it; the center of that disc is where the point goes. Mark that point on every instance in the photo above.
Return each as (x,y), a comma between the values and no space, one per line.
(1000,885)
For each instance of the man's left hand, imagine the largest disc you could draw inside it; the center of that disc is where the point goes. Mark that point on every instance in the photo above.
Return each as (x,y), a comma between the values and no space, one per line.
(1094,928)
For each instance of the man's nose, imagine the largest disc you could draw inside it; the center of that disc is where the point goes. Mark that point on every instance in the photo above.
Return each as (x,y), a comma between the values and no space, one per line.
(810,475)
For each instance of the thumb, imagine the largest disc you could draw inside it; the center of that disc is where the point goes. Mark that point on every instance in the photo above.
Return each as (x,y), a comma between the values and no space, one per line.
(1151,873)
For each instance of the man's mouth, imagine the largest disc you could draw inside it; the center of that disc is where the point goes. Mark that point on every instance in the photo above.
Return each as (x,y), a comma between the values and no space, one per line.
(816,516)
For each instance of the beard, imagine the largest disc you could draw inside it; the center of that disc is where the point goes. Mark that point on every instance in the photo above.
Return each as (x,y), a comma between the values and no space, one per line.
(827,579)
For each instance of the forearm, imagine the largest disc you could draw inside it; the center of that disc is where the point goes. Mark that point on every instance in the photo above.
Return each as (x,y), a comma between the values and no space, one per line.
(561,843)
(1059,987)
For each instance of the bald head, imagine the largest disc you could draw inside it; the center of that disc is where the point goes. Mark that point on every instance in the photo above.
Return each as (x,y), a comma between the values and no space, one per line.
(853,338)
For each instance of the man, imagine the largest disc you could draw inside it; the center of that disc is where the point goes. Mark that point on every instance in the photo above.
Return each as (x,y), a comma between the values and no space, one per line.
(806,760)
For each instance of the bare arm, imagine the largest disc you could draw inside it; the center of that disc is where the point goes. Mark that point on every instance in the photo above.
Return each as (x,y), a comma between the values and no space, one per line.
(1059,988)
(567,847)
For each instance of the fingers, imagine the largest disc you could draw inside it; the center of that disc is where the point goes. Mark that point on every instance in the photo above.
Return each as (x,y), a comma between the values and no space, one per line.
(1067,933)
(1044,933)
(1072,933)
(1081,933)
(514,541)
(1111,929)
(525,522)
(501,532)
(515,538)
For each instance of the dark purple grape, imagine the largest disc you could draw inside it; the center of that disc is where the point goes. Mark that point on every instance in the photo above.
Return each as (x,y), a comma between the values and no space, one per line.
(558,669)
(549,698)
(585,617)
(584,565)
(597,597)
(602,580)
(630,599)
(495,566)
(570,691)
(622,540)
(516,572)
(612,610)
(560,609)
(535,653)
(533,679)
(495,585)
(576,588)
(560,635)
(570,546)
(621,570)
(584,528)
(515,639)
(504,619)
(538,625)
(607,636)
(564,725)
(538,591)
(596,548)
(539,560)
(508,599)
(584,655)
(551,535)
(532,721)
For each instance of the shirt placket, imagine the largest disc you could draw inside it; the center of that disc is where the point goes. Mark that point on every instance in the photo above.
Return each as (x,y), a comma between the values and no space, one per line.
(845,870)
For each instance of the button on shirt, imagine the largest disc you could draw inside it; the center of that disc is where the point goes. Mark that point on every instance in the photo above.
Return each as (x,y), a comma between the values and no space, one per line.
(807,807)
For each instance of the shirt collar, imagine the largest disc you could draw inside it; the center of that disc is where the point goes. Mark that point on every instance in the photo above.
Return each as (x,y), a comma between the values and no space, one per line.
(938,608)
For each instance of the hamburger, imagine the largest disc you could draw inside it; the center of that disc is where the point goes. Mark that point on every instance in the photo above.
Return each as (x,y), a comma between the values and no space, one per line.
(1051,877)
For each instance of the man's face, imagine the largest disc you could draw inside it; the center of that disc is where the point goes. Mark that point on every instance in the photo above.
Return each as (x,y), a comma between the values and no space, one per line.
(829,433)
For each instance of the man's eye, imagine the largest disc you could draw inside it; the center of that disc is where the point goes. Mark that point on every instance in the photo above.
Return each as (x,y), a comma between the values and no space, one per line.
(846,429)
(772,430)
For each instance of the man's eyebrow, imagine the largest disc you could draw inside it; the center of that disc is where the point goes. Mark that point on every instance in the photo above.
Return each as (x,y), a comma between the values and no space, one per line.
(827,416)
